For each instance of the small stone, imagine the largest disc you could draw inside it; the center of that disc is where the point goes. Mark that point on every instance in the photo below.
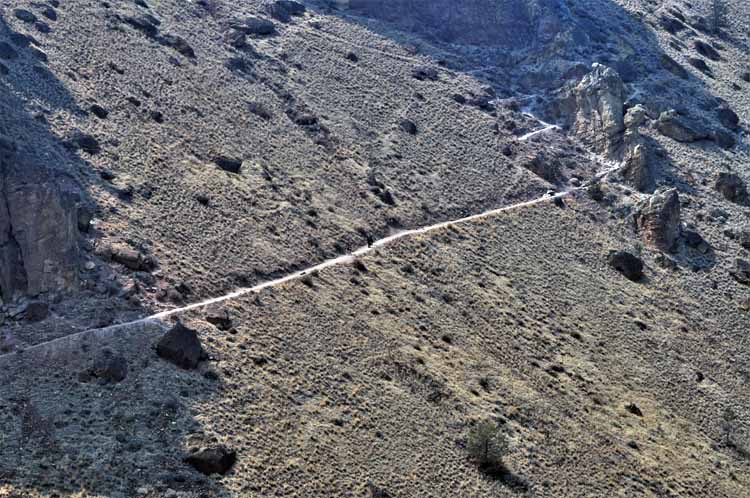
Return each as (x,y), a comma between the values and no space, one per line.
(89,265)
(408,126)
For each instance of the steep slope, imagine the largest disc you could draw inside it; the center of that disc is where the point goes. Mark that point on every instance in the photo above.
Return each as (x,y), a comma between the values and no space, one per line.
(217,144)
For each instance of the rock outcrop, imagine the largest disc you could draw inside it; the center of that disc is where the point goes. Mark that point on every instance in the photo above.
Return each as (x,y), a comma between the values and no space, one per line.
(38,227)
(599,118)
(636,169)
(658,220)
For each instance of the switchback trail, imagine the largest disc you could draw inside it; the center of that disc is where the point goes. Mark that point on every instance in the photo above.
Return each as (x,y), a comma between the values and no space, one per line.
(345,259)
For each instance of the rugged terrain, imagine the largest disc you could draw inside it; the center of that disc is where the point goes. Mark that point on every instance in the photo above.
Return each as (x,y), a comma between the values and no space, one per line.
(157,154)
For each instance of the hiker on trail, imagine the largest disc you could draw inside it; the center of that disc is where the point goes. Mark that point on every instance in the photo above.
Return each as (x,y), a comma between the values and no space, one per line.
(370,240)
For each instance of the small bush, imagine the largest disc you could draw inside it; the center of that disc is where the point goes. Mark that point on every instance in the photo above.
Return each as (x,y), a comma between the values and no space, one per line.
(487,445)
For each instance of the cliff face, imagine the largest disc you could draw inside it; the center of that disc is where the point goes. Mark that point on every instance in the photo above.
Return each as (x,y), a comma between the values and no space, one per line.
(514,24)
(38,227)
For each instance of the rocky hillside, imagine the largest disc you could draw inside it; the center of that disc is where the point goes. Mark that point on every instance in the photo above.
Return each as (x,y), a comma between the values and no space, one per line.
(155,154)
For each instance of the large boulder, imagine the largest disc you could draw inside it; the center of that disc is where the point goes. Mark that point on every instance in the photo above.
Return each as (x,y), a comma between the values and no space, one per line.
(181,346)
(681,128)
(658,220)
(38,226)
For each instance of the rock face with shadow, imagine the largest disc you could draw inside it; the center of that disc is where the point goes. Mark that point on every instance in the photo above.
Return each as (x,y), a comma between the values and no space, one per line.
(519,24)
(38,226)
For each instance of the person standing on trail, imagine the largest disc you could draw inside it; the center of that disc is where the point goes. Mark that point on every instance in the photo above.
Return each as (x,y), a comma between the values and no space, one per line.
(370,240)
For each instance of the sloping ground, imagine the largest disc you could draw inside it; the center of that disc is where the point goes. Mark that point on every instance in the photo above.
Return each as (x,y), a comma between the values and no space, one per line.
(364,379)
(152,102)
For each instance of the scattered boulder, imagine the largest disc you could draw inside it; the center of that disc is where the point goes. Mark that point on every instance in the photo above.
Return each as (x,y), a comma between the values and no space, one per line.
(745,76)
(674,67)
(706,50)
(283,10)
(700,65)
(85,142)
(696,241)
(256,26)
(131,258)
(179,44)
(235,38)
(732,187)
(658,219)
(25,15)
(215,460)
(36,311)
(408,126)
(628,264)
(728,118)
(679,127)
(425,73)
(109,367)
(219,316)
(99,111)
(634,409)
(259,109)
(181,346)
(228,164)
(741,271)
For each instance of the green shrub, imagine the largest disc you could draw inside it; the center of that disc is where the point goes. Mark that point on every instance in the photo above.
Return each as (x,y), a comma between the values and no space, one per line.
(487,445)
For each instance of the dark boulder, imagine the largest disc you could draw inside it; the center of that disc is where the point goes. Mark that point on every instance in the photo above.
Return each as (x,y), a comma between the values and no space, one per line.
(215,460)
(99,111)
(179,44)
(36,311)
(228,164)
(700,65)
(408,126)
(109,367)
(181,346)
(629,265)
(85,142)
(25,15)
(425,73)
(728,118)
(732,187)
(706,50)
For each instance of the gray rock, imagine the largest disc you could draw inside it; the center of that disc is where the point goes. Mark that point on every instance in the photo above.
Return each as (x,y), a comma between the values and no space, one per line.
(658,220)
(219,316)
(25,15)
